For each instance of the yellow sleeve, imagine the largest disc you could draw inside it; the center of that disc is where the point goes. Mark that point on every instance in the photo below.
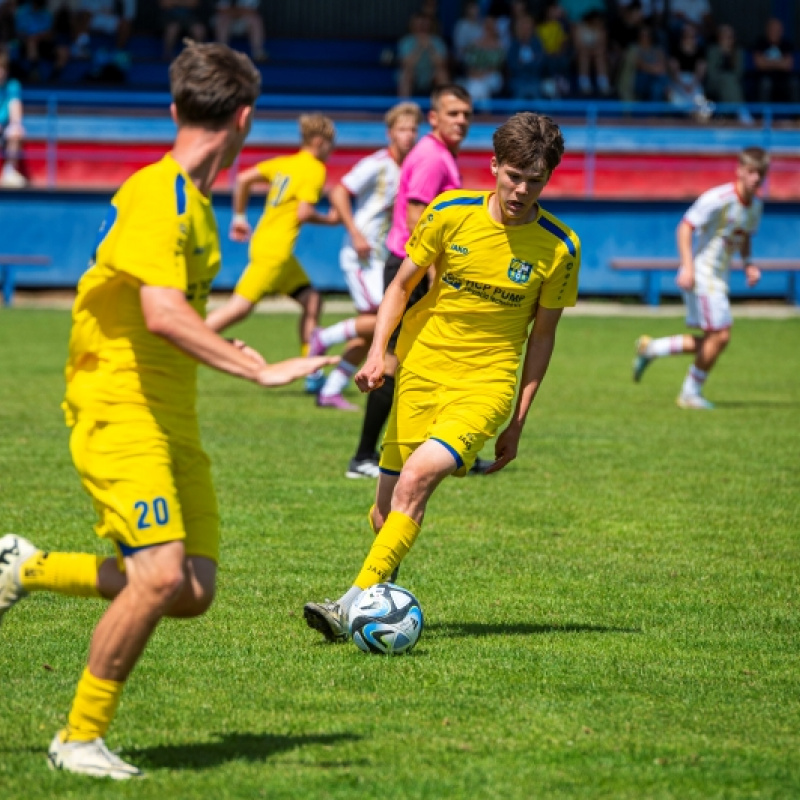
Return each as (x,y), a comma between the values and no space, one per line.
(310,188)
(560,289)
(425,244)
(150,243)
(267,169)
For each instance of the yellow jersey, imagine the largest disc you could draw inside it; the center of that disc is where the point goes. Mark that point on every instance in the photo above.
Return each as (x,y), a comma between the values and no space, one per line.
(470,329)
(293,179)
(160,230)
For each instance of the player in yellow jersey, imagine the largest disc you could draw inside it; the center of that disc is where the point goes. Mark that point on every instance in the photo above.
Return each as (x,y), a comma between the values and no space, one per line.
(501,262)
(295,186)
(137,336)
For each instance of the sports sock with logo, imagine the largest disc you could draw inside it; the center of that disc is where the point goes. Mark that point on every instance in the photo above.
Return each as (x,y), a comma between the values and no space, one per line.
(693,383)
(338,379)
(73,574)
(394,540)
(93,708)
(338,333)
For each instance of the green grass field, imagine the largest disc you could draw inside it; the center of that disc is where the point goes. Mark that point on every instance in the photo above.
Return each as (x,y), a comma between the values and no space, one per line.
(614,616)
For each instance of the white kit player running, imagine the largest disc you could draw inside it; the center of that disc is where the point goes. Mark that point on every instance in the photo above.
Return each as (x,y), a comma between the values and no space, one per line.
(364,200)
(721,222)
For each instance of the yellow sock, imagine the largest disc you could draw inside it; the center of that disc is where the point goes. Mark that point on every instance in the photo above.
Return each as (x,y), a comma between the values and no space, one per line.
(390,546)
(304,349)
(66,573)
(371,520)
(93,708)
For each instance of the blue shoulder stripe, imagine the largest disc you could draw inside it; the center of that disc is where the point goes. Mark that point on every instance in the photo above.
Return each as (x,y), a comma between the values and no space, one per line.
(459,201)
(559,233)
(180,194)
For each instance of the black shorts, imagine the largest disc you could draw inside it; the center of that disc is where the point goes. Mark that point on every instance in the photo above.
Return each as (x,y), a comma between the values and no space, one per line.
(390,270)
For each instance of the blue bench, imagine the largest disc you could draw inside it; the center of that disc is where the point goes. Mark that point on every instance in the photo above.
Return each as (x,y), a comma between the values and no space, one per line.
(652,269)
(9,264)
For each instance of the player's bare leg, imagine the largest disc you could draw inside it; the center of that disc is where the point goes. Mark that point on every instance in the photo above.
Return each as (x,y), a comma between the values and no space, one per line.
(235,309)
(709,349)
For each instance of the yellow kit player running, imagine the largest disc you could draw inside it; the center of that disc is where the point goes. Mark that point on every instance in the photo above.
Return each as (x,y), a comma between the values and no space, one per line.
(137,336)
(501,262)
(295,186)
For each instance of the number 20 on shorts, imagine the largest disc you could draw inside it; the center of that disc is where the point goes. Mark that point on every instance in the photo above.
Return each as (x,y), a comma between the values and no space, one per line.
(149,514)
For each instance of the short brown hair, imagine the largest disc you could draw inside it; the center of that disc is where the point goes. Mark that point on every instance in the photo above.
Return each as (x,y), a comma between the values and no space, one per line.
(756,157)
(312,125)
(449,89)
(529,141)
(402,110)
(210,81)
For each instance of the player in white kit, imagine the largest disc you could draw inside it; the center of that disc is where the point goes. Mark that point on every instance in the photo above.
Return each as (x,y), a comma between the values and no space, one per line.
(364,200)
(721,222)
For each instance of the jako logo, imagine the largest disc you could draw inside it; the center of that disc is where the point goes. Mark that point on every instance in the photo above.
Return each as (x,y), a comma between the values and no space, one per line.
(459,249)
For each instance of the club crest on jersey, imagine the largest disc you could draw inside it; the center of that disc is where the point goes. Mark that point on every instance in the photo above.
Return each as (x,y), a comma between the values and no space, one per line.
(519,271)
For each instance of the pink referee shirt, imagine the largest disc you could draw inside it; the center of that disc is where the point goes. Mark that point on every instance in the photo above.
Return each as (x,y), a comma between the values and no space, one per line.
(428,170)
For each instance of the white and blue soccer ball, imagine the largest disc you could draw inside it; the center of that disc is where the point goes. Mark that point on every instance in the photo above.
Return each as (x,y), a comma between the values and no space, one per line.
(385,619)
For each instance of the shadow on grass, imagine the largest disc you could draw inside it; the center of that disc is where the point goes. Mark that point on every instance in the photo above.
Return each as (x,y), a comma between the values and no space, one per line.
(734,404)
(230,747)
(518,629)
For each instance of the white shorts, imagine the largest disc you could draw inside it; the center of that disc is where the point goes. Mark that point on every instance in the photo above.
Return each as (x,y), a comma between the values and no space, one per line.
(364,279)
(709,312)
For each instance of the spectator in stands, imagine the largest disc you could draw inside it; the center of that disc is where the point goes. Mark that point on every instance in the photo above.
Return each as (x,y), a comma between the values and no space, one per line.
(423,59)
(687,70)
(241,18)
(553,32)
(100,21)
(38,41)
(726,71)
(623,33)
(652,12)
(691,12)
(776,72)
(651,80)
(506,14)
(484,61)
(468,29)
(590,40)
(526,61)
(180,17)
(11,131)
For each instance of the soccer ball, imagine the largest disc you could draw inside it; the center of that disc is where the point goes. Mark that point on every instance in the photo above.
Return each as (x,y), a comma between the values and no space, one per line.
(385,619)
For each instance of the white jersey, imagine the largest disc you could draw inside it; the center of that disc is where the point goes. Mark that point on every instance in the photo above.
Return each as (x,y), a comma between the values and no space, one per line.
(373,183)
(721,222)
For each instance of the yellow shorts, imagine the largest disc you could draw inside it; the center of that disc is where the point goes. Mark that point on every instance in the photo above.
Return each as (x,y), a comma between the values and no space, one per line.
(147,488)
(461,420)
(264,277)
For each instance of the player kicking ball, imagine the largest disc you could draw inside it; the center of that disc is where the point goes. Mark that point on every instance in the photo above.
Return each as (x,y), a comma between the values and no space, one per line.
(137,336)
(501,261)
(721,222)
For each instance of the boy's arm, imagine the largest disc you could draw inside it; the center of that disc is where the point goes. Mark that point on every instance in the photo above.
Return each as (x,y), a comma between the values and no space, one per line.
(685,279)
(752,273)
(340,201)
(390,312)
(167,314)
(240,230)
(541,342)
(306,212)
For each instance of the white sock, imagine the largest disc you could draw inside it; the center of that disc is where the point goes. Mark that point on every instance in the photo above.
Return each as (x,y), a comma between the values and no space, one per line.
(338,379)
(693,383)
(348,598)
(666,346)
(338,333)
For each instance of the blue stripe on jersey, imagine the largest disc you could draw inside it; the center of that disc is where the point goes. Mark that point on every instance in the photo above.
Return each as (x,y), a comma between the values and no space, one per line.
(127,550)
(559,233)
(180,194)
(456,456)
(459,201)
(387,471)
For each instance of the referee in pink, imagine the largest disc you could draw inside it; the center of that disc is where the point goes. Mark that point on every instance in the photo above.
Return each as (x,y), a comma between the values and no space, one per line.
(428,170)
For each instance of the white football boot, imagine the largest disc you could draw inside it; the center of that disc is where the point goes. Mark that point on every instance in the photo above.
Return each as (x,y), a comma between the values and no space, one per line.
(694,401)
(89,758)
(327,618)
(14,551)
